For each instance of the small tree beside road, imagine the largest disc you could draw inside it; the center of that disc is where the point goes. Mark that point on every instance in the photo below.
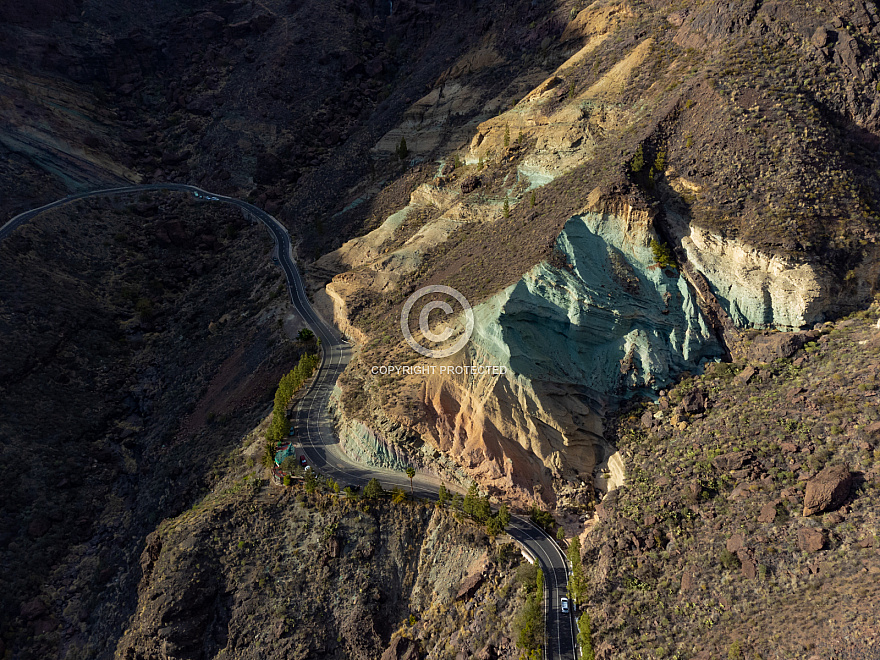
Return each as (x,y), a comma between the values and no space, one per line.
(577,583)
(373,490)
(411,473)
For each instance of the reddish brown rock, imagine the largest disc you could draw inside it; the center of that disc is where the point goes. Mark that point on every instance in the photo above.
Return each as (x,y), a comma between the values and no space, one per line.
(33,609)
(766,348)
(827,490)
(469,586)
(687,580)
(38,527)
(732,461)
(401,648)
(768,513)
(810,540)
(693,403)
(735,543)
(746,374)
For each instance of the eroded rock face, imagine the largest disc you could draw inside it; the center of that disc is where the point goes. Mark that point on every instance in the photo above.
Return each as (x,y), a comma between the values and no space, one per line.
(604,322)
(513,433)
(758,289)
(600,319)
(401,648)
(609,319)
(827,490)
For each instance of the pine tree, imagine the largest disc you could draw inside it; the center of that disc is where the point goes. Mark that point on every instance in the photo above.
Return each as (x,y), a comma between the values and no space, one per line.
(470,500)
(638,161)
(585,638)
(373,490)
(577,583)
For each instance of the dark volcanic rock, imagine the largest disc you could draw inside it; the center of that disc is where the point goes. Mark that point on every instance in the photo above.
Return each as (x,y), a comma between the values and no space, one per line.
(401,648)
(766,348)
(827,490)
(810,540)
(470,184)
(469,586)
(693,403)
(732,461)
(33,609)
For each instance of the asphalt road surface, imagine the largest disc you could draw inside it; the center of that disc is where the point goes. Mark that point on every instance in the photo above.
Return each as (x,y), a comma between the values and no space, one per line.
(315,427)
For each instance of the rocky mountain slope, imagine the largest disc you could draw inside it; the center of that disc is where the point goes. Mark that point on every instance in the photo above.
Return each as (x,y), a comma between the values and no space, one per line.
(624,191)
(140,337)
(254,571)
(667,176)
(748,526)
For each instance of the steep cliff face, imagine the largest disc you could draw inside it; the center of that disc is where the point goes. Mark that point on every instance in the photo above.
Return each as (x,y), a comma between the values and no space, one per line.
(140,335)
(608,317)
(605,322)
(754,190)
(760,289)
(266,571)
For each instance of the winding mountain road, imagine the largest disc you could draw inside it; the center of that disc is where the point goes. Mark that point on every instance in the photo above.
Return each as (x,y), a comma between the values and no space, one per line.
(315,426)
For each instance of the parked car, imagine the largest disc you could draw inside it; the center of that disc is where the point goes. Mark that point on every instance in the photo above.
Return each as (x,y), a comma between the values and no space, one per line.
(565,605)
(303,461)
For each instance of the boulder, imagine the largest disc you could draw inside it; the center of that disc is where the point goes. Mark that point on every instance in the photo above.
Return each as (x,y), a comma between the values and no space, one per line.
(735,543)
(693,403)
(821,37)
(39,526)
(746,374)
(469,586)
(33,609)
(732,461)
(687,581)
(768,513)
(470,184)
(374,67)
(766,348)
(748,566)
(401,648)
(810,540)
(827,490)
